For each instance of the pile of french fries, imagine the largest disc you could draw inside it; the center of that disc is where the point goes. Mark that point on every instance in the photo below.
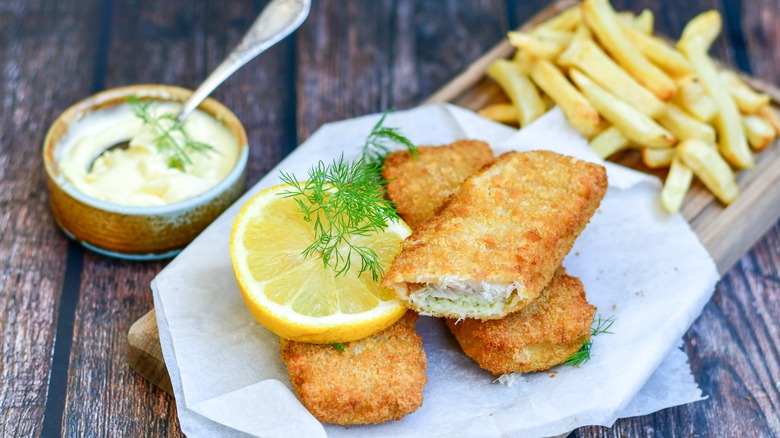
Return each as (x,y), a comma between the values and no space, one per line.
(622,87)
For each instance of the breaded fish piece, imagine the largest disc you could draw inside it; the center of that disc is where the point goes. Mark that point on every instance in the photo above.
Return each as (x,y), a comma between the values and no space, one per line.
(496,243)
(376,379)
(544,334)
(418,185)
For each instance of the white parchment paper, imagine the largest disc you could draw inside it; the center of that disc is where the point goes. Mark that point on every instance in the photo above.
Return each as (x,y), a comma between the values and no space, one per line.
(641,265)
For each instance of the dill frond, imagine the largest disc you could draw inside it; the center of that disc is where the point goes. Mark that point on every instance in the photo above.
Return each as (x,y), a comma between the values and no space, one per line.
(378,143)
(167,129)
(601,326)
(342,200)
(339,347)
(581,356)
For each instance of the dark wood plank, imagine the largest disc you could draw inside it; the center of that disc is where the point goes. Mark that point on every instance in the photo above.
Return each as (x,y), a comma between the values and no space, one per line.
(521,11)
(735,350)
(43,47)
(351,59)
(671,17)
(695,418)
(733,347)
(722,418)
(105,398)
(760,24)
(176,42)
(363,57)
(734,356)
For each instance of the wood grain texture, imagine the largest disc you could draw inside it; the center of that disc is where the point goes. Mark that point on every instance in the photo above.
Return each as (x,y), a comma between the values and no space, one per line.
(350,58)
(761,28)
(177,42)
(733,345)
(711,220)
(105,398)
(358,58)
(32,249)
(692,419)
(144,352)
(715,416)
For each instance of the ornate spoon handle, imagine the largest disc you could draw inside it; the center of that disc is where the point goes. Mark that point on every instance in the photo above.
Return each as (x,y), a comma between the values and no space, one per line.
(276,21)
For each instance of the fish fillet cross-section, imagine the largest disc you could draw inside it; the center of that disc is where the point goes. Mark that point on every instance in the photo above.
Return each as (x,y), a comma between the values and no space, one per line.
(495,244)
(544,334)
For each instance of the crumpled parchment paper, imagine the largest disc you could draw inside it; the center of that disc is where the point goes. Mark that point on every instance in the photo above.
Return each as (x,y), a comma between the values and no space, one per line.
(639,264)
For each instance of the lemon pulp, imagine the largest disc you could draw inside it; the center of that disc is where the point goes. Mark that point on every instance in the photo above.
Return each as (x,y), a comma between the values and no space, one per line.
(298,297)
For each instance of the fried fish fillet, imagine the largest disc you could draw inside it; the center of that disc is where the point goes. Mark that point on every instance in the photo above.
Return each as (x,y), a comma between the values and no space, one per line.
(418,185)
(544,334)
(496,243)
(376,379)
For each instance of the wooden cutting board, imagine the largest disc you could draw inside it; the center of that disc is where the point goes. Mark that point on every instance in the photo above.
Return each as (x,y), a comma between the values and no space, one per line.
(727,233)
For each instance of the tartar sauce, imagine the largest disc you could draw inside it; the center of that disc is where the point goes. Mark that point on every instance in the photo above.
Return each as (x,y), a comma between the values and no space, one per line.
(139,175)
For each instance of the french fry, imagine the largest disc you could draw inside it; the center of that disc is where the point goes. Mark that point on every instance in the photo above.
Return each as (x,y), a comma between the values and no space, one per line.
(580,113)
(676,186)
(627,17)
(634,90)
(658,158)
(588,57)
(748,101)
(567,58)
(603,22)
(659,52)
(566,20)
(685,127)
(704,108)
(524,61)
(710,167)
(706,26)
(689,88)
(636,126)
(548,102)
(693,99)
(645,22)
(500,112)
(534,46)
(552,35)
(582,33)
(769,114)
(732,142)
(609,142)
(642,22)
(760,133)
(521,91)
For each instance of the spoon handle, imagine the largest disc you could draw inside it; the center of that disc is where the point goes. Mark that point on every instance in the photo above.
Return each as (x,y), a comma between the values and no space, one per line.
(276,21)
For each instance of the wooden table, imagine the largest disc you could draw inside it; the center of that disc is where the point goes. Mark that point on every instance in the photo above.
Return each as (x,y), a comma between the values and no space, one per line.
(67,310)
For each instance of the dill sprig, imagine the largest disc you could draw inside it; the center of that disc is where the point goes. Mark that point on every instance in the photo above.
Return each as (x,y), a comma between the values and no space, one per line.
(378,142)
(346,199)
(342,200)
(172,140)
(339,347)
(601,326)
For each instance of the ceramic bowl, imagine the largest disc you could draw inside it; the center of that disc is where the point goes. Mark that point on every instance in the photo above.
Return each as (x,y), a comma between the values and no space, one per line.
(138,232)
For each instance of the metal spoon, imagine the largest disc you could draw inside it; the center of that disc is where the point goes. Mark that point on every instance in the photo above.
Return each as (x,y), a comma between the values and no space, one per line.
(279,19)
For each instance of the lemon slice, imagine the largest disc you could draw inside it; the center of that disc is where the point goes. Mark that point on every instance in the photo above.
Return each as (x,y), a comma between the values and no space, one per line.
(299,298)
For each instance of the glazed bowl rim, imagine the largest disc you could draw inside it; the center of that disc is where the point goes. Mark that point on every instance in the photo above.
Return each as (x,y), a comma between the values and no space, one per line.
(163,93)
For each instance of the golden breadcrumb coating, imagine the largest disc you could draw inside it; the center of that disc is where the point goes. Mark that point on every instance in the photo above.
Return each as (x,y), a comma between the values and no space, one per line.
(418,185)
(544,334)
(376,379)
(496,243)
